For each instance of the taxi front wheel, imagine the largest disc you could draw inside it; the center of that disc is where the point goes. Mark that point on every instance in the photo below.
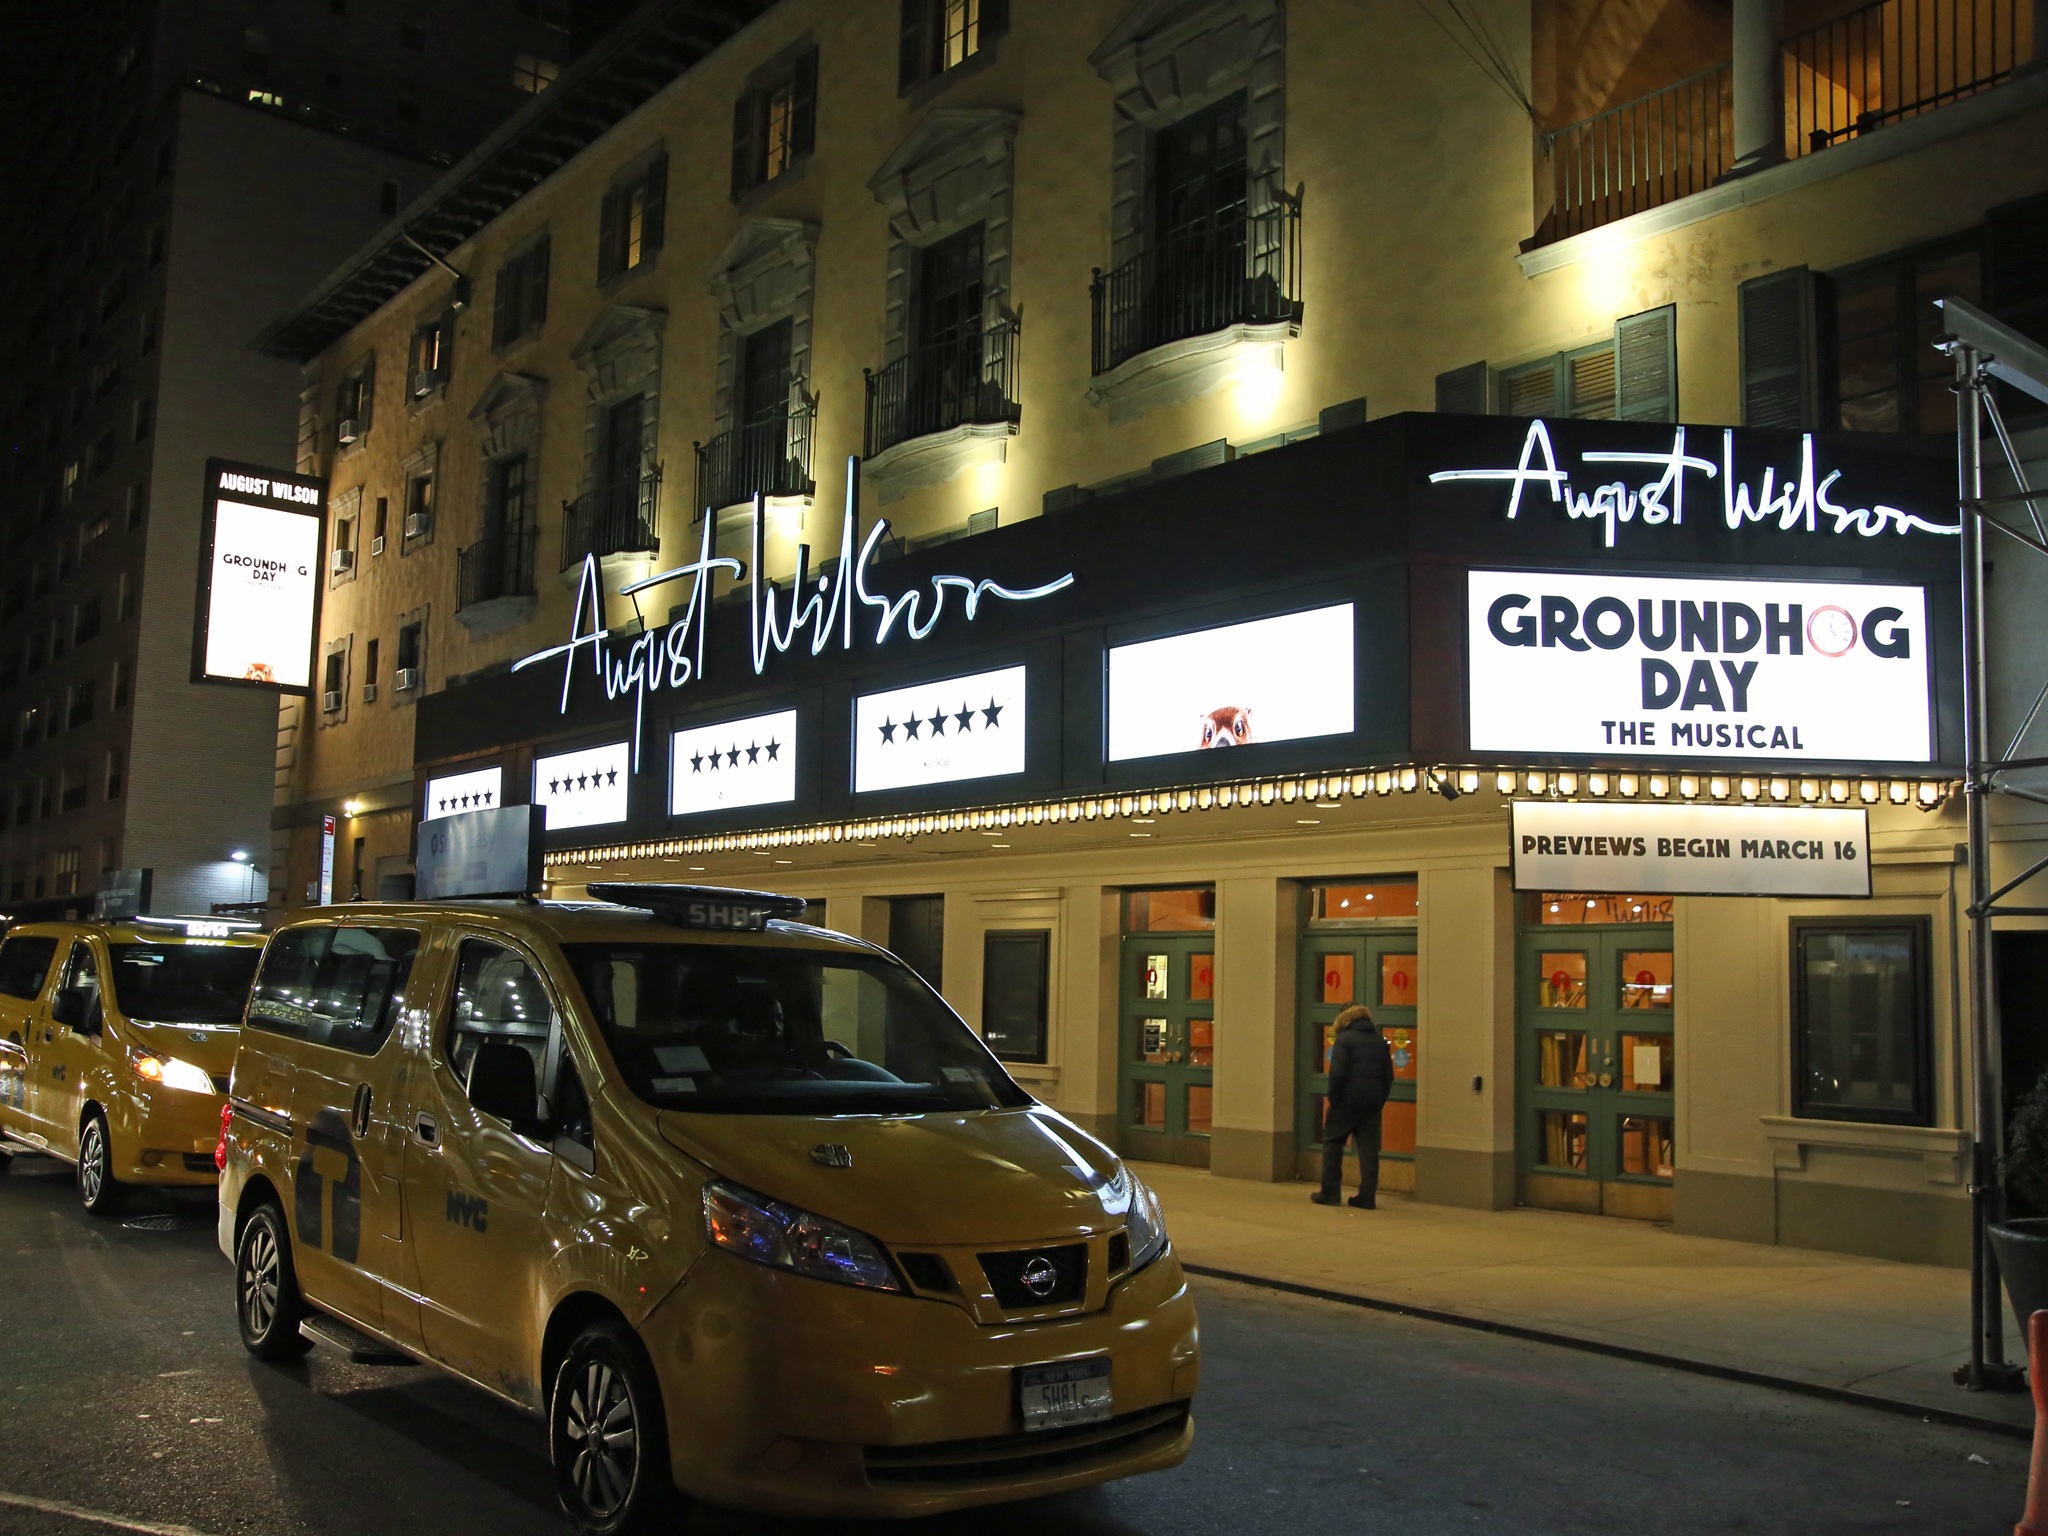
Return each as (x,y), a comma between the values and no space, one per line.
(97,1187)
(607,1437)
(268,1306)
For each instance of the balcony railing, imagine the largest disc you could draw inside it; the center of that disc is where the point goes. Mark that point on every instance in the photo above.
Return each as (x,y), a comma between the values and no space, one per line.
(496,565)
(1894,60)
(769,458)
(1242,271)
(968,381)
(1643,153)
(615,519)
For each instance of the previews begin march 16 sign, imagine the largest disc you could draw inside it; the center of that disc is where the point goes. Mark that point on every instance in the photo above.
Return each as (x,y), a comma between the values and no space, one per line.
(1640,666)
(259,577)
(1691,850)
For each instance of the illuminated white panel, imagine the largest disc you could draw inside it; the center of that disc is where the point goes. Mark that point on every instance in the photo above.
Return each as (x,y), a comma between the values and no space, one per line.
(733,764)
(262,594)
(935,733)
(481,789)
(586,788)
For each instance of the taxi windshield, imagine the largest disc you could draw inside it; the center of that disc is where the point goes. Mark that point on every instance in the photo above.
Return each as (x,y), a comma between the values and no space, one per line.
(184,983)
(732,1029)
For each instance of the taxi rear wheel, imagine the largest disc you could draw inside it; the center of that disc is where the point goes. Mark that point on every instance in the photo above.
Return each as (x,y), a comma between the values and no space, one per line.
(268,1306)
(607,1437)
(100,1191)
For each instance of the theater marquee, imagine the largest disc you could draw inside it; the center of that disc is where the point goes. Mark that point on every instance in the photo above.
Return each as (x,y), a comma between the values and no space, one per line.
(1691,850)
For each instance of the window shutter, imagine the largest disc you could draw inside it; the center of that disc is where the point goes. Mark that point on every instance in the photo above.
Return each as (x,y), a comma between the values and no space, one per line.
(744,156)
(1462,391)
(611,234)
(537,283)
(1646,365)
(654,210)
(1532,390)
(910,45)
(1775,338)
(994,22)
(803,104)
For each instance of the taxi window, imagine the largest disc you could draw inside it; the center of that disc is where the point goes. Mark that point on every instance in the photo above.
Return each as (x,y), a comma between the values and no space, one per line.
(498,996)
(726,1029)
(81,970)
(25,964)
(183,983)
(339,986)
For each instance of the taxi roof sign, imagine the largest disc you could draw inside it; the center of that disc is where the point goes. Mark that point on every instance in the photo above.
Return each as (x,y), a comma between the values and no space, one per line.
(704,906)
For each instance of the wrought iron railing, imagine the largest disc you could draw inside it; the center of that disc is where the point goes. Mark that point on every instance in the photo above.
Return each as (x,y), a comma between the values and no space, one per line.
(769,458)
(970,380)
(496,565)
(1894,60)
(1643,153)
(1240,271)
(613,519)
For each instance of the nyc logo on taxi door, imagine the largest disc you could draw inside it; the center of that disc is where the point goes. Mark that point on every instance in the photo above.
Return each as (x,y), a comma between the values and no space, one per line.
(467,1210)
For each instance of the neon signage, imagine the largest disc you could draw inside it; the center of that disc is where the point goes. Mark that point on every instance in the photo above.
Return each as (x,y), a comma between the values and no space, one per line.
(1795,500)
(825,602)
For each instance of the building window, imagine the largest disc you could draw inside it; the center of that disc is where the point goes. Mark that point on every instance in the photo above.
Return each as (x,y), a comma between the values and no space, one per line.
(1015,972)
(124,599)
(352,399)
(80,704)
(256,57)
(124,673)
(85,623)
(1347,901)
(419,507)
(1885,373)
(1862,1026)
(144,415)
(66,872)
(775,121)
(146,332)
(334,676)
(136,505)
(1189,910)
(1630,376)
(370,651)
(74,791)
(378,525)
(630,221)
(153,247)
(533,74)
(917,935)
(106,374)
(937,35)
(117,774)
(412,651)
(428,368)
(521,301)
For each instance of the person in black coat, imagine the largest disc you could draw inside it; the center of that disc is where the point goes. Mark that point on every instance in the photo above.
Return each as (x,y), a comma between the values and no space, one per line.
(1361,1076)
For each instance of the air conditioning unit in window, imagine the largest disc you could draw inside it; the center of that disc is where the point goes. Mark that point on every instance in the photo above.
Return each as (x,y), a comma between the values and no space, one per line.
(369,693)
(344,561)
(377,545)
(406,679)
(348,431)
(417,524)
(330,701)
(425,382)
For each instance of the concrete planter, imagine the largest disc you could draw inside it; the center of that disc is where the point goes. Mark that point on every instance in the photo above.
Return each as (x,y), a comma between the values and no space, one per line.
(2022,1249)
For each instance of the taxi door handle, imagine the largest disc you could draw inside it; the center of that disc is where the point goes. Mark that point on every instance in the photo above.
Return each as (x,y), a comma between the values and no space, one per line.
(359,1112)
(427,1129)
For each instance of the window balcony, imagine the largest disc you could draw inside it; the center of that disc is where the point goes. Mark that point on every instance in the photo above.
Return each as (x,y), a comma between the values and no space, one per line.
(765,458)
(613,522)
(494,588)
(940,408)
(1653,150)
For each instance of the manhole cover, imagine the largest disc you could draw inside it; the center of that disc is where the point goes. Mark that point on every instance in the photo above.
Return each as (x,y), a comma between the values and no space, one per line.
(151,1224)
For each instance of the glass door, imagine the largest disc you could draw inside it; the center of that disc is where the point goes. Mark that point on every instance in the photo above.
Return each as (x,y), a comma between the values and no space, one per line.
(1594,1055)
(1168,1046)
(1337,970)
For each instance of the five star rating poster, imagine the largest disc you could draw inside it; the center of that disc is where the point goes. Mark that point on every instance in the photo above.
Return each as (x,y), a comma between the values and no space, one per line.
(733,764)
(586,788)
(935,733)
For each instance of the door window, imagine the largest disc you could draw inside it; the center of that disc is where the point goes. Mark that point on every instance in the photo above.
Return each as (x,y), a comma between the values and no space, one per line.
(1201,977)
(1562,978)
(25,965)
(1862,1024)
(1646,1146)
(83,972)
(1646,978)
(1561,1139)
(1646,1064)
(1340,979)
(339,986)
(498,996)
(1561,1058)
(1156,967)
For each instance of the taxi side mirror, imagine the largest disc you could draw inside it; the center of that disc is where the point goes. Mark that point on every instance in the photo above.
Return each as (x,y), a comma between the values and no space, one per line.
(70,1007)
(502,1083)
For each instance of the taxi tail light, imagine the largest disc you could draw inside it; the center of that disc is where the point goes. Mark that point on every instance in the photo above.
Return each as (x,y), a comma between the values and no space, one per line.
(220,1148)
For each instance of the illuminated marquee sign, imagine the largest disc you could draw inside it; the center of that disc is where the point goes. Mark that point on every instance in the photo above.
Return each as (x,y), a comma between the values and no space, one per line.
(1277,679)
(481,789)
(936,733)
(259,577)
(1653,485)
(1640,666)
(734,764)
(586,788)
(819,609)
(1695,850)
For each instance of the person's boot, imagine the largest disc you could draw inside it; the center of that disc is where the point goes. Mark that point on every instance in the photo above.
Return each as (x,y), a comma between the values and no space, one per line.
(1322,1197)
(1363,1202)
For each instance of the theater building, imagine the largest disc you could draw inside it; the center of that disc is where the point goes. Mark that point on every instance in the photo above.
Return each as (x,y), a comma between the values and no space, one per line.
(920,459)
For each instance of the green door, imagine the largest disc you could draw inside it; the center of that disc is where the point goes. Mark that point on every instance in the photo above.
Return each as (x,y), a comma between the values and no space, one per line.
(1337,970)
(1594,1063)
(1167,1046)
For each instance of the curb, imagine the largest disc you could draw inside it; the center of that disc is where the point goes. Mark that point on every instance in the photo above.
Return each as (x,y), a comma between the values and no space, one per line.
(1620,1352)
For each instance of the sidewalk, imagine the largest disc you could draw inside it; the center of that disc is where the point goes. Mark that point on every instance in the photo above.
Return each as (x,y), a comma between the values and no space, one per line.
(1868,1326)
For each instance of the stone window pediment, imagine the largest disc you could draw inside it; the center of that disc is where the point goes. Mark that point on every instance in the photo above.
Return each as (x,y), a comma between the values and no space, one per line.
(761,271)
(946,173)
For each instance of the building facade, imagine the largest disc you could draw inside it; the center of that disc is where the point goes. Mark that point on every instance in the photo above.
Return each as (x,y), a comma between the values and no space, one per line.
(1121,293)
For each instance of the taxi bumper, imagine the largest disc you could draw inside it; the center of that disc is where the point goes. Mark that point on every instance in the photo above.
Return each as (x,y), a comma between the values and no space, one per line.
(797,1396)
(166,1136)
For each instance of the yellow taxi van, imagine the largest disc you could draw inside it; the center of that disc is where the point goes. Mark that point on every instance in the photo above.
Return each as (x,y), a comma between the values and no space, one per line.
(116,1039)
(738,1204)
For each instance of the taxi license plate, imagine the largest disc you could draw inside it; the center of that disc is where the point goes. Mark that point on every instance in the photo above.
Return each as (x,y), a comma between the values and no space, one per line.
(1074,1392)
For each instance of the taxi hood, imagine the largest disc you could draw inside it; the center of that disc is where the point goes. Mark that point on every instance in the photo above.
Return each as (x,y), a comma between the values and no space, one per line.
(981,1176)
(209,1047)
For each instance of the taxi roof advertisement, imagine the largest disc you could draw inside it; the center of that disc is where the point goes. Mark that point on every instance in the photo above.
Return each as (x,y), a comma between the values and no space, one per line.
(256,623)
(1449,589)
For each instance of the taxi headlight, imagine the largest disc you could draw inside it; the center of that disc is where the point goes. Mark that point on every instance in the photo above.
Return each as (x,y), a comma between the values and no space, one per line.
(168,1071)
(769,1232)
(1147,1226)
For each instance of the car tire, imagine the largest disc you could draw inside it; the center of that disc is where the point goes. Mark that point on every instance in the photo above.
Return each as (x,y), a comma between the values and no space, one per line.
(268,1306)
(98,1190)
(608,1437)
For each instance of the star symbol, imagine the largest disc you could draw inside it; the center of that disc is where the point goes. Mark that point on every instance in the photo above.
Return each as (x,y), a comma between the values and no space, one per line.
(583,781)
(554,786)
(443,802)
(697,763)
(774,749)
(938,723)
(994,712)
(487,796)
(612,776)
(888,730)
(717,758)
(753,753)
(964,719)
(910,728)
(732,758)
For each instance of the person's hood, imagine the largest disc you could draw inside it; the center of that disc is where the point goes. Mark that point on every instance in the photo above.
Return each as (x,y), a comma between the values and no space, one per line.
(984,1176)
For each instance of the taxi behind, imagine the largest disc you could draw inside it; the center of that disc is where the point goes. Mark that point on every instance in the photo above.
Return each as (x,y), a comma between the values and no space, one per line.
(116,1040)
(738,1204)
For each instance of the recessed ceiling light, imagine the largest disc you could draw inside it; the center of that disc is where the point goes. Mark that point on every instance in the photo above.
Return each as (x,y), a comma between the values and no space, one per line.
(1308,821)
(1326,805)
(785,861)
(999,845)
(1144,821)
(696,869)
(1141,834)
(991,834)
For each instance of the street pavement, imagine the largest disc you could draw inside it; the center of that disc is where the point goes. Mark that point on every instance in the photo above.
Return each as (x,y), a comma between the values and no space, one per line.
(127,1403)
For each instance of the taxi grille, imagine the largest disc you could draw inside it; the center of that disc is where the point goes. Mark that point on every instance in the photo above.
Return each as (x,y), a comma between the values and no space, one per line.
(1045,1450)
(1007,1274)
(200,1162)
